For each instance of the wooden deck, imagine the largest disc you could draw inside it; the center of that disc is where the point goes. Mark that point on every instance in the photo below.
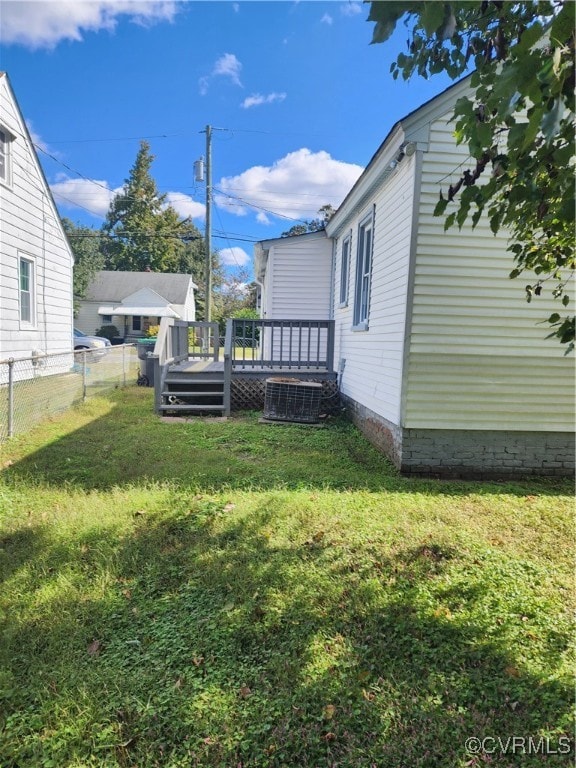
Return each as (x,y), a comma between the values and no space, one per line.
(193,373)
(196,366)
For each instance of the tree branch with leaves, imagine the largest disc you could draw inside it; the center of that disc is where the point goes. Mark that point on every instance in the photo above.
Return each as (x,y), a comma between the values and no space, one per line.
(519,125)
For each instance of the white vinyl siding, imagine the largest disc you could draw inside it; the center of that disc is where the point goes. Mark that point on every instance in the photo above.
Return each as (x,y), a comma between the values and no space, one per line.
(297,284)
(297,287)
(479,358)
(372,361)
(30,226)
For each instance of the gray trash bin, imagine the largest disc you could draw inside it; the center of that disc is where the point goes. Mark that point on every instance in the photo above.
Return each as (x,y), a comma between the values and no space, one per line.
(145,349)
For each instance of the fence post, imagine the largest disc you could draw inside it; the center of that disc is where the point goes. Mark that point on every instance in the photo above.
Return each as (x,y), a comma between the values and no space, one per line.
(10,397)
(84,375)
(123,365)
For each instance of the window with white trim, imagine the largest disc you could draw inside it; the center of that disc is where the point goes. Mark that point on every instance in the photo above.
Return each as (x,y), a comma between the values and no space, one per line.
(345,270)
(363,272)
(5,167)
(26,280)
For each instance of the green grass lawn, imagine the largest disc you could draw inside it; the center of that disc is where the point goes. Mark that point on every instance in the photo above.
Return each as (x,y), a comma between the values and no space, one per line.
(231,594)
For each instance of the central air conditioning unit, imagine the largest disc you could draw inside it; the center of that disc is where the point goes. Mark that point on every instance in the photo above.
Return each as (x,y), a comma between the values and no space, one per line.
(292,400)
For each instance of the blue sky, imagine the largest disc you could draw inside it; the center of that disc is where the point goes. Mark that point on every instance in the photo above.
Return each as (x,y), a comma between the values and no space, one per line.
(300,98)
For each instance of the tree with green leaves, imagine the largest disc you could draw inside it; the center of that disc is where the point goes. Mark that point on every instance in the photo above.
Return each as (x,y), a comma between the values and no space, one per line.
(85,245)
(312,225)
(234,297)
(141,230)
(519,126)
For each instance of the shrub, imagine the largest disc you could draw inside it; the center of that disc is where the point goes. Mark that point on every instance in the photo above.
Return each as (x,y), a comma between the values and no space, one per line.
(153,331)
(108,332)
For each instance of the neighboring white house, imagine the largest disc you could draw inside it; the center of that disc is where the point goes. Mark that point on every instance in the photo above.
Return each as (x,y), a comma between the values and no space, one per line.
(35,257)
(443,364)
(294,279)
(294,274)
(134,301)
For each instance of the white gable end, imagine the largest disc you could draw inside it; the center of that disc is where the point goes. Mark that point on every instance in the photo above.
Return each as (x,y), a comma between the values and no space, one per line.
(33,243)
(145,297)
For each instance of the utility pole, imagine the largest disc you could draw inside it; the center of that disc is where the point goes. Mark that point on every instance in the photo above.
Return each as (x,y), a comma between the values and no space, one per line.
(208,233)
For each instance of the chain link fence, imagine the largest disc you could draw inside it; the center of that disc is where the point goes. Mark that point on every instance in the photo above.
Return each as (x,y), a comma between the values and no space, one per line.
(35,388)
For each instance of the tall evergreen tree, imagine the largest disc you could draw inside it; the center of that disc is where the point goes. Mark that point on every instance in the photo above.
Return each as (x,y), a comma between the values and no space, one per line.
(142,230)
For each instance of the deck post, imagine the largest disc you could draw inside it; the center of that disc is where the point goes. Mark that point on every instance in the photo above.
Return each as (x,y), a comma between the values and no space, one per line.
(228,353)
(216,341)
(330,346)
(158,383)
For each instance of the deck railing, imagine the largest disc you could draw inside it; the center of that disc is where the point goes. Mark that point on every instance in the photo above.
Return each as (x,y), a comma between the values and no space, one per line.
(280,344)
(181,339)
(178,340)
(250,345)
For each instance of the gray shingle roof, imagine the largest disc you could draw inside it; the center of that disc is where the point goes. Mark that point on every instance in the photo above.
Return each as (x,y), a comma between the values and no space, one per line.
(115,286)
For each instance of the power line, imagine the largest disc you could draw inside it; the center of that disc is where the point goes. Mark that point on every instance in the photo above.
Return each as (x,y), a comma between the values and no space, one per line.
(118,138)
(259,207)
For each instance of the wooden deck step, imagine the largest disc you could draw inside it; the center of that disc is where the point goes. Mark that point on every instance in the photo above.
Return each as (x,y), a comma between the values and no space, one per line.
(191,393)
(199,378)
(195,390)
(191,408)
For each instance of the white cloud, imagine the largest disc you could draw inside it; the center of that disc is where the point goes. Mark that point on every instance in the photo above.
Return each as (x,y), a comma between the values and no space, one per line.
(350,9)
(257,99)
(228,66)
(203,85)
(185,206)
(95,195)
(44,24)
(327,19)
(234,257)
(295,186)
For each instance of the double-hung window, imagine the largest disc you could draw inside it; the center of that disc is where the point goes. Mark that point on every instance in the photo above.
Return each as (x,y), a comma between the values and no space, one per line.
(27,291)
(363,272)
(345,270)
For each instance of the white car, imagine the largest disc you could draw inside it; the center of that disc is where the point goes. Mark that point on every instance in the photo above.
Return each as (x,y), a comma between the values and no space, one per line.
(96,345)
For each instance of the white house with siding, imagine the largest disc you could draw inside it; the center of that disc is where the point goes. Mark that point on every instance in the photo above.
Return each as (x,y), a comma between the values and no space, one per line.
(36,261)
(294,279)
(134,301)
(443,364)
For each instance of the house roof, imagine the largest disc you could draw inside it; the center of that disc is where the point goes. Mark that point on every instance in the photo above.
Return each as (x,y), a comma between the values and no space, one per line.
(409,128)
(144,301)
(113,287)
